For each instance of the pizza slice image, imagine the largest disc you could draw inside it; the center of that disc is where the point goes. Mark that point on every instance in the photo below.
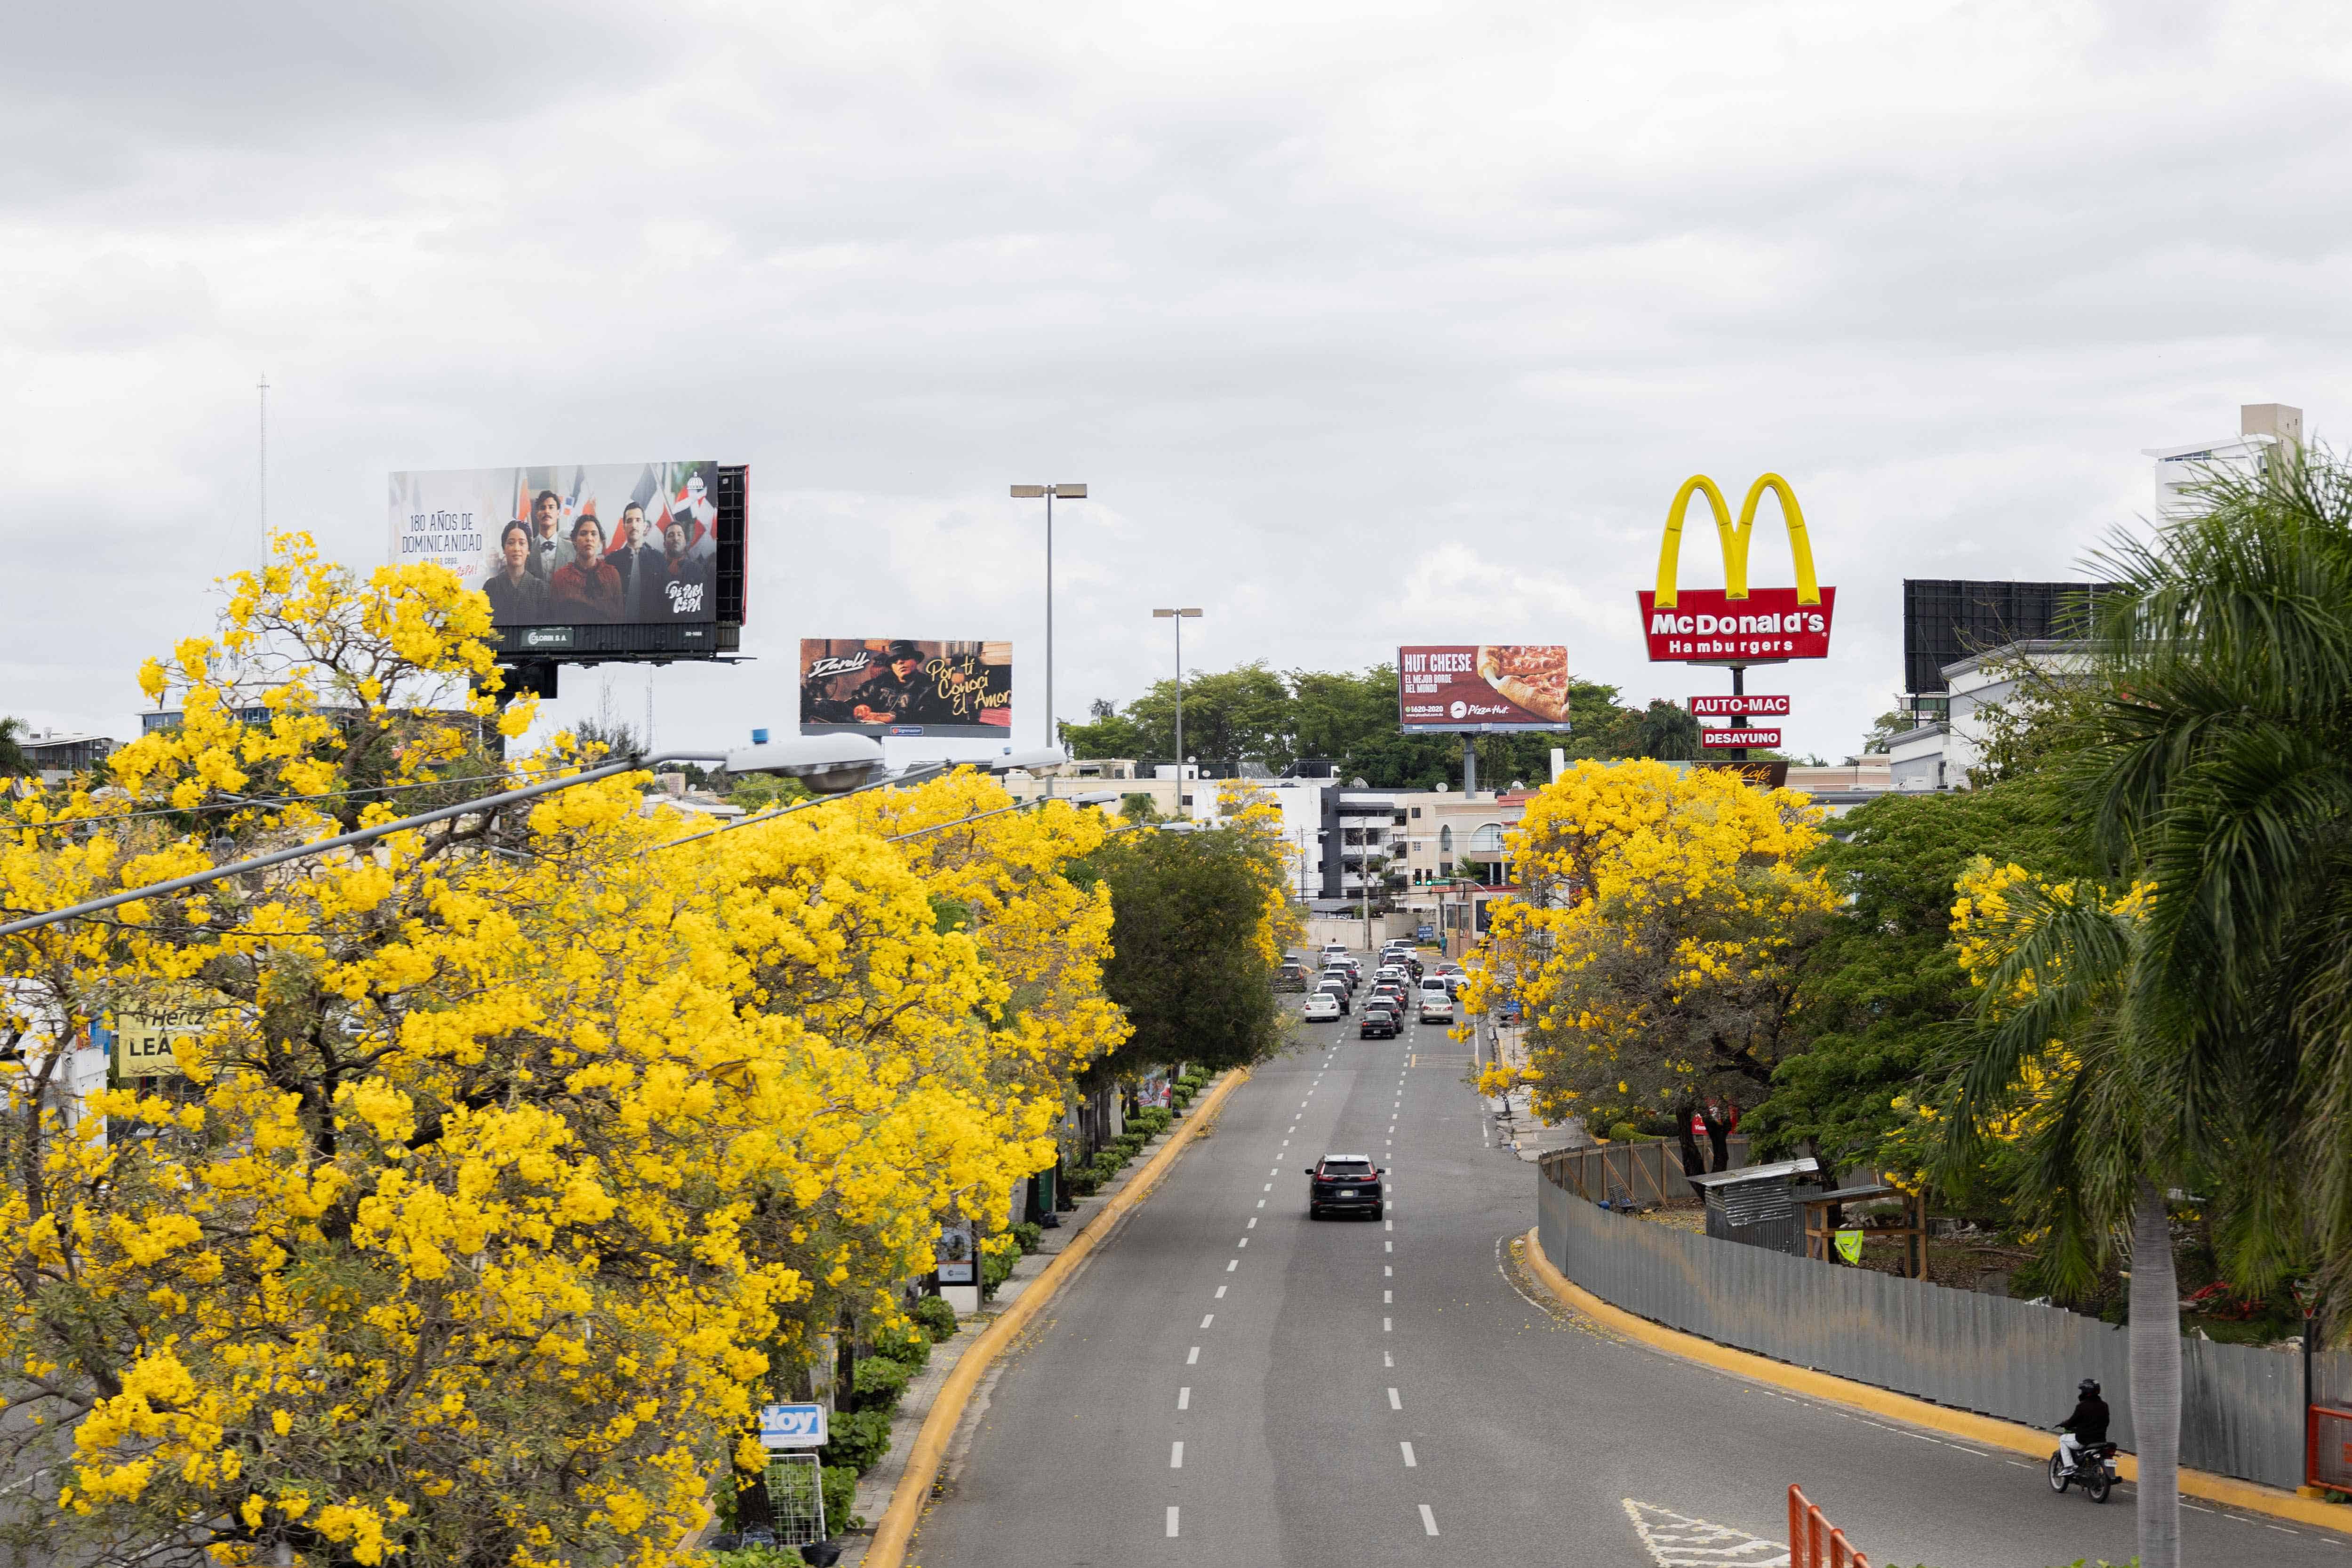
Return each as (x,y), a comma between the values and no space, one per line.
(1534,676)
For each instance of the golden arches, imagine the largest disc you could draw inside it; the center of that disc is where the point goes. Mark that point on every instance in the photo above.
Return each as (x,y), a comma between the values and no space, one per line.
(1734,539)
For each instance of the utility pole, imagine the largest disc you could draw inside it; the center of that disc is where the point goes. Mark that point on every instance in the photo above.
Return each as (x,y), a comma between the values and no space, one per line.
(261,480)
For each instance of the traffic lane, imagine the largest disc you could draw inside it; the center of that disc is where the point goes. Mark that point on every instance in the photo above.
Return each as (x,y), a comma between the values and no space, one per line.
(1073,1459)
(1541,1412)
(1341,1396)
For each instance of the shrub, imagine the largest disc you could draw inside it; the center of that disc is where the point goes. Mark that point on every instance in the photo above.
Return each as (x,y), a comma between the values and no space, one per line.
(755,1557)
(839,1484)
(905,1343)
(995,1268)
(880,1382)
(1619,1132)
(1028,1234)
(860,1438)
(938,1318)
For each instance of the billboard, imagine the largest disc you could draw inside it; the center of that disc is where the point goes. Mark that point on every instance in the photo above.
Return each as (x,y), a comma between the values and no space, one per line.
(1736,624)
(652,550)
(1482,686)
(1945,621)
(902,686)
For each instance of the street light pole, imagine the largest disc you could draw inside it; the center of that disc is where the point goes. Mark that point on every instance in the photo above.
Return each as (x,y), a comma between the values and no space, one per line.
(1179,617)
(1033,492)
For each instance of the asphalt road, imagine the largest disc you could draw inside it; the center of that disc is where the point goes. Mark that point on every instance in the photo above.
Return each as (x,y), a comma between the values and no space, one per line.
(1229,1383)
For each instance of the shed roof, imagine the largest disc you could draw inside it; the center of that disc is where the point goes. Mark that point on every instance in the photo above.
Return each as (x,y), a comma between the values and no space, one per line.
(1781,1171)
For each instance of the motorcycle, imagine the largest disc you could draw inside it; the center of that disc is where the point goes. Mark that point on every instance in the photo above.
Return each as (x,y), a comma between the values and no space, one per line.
(2095,1470)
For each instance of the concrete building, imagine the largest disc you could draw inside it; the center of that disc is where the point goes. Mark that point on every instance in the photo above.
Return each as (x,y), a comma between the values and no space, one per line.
(1944,754)
(56,756)
(2262,428)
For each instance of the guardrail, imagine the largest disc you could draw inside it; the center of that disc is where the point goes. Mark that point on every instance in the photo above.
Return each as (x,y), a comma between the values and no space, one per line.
(1637,1173)
(1812,1543)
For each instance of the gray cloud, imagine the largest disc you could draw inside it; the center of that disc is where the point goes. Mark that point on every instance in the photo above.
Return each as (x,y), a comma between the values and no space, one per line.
(1366,327)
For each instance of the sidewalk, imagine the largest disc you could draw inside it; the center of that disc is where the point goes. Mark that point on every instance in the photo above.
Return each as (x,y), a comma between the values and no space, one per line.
(1517,1126)
(875,1487)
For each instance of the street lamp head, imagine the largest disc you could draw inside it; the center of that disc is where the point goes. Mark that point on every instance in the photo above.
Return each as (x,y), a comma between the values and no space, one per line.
(1070,492)
(1028,492)
(1092,797)
(1189,614)
(827,764)
(1042,759)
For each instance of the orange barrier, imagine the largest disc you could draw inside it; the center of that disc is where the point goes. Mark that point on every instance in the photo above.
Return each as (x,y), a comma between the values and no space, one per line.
(1811,1542)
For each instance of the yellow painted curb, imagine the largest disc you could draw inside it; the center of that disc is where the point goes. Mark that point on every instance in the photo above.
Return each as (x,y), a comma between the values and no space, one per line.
(889,1549)
(1985,1430)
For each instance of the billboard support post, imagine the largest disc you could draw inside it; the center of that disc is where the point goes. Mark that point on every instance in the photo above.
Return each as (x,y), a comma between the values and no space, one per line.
(1739,709)
(1469,765)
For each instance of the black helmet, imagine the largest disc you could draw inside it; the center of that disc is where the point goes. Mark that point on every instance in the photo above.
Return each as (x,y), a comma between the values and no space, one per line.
(2088,1386)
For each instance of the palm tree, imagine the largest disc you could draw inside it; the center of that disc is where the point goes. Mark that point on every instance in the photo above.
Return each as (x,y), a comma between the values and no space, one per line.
(2062,1044)
(2214,1028)
(1667,732)
(13,760)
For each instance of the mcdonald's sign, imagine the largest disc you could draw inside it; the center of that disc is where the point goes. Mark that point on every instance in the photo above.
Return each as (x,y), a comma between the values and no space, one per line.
(1735,624)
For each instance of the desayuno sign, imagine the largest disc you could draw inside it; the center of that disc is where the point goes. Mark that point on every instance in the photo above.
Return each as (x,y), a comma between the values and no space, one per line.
(1735,624)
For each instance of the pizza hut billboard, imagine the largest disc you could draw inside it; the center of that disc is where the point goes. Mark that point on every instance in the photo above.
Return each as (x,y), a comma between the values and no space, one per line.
(1482,686)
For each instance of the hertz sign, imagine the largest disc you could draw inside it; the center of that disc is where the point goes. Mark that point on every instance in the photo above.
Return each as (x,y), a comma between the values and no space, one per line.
(1735,624)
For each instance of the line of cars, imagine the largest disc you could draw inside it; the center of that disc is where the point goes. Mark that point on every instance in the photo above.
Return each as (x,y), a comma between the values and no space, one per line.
(1398,982)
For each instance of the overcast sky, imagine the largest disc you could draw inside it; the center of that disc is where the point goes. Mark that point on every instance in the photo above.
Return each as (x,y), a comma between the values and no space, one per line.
(1367,324)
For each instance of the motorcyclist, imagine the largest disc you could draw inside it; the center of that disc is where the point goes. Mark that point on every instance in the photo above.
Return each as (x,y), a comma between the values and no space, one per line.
(2087,1426)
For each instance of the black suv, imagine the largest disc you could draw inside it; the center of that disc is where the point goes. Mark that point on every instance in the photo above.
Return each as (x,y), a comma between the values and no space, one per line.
(1381,1017)
(1344,1184)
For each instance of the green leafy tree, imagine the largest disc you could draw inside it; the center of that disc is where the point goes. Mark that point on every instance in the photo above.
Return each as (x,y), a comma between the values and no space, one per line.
(1884,727)
(1881,993)
(1104,734)
(1232,716)
(13,761)
(762,792)
(1186,964)
(1349,718)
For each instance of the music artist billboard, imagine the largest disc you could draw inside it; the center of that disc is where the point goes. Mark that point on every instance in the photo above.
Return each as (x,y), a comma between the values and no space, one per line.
(1481,686)
(903,686)
(579,545)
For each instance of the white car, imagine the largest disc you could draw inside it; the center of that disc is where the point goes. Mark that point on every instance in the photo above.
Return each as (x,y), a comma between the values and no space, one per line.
(1324,1009)
(1436,1008)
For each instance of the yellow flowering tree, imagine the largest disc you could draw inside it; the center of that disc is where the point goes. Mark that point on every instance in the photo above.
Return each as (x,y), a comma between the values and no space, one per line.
(1654,950)
(1252,809)
(514,1159)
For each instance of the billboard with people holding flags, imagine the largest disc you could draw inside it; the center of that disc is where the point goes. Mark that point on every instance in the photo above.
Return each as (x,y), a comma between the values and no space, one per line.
(578,545)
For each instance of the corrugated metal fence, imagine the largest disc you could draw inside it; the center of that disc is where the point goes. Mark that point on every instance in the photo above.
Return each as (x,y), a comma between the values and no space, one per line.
(2241,1412)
